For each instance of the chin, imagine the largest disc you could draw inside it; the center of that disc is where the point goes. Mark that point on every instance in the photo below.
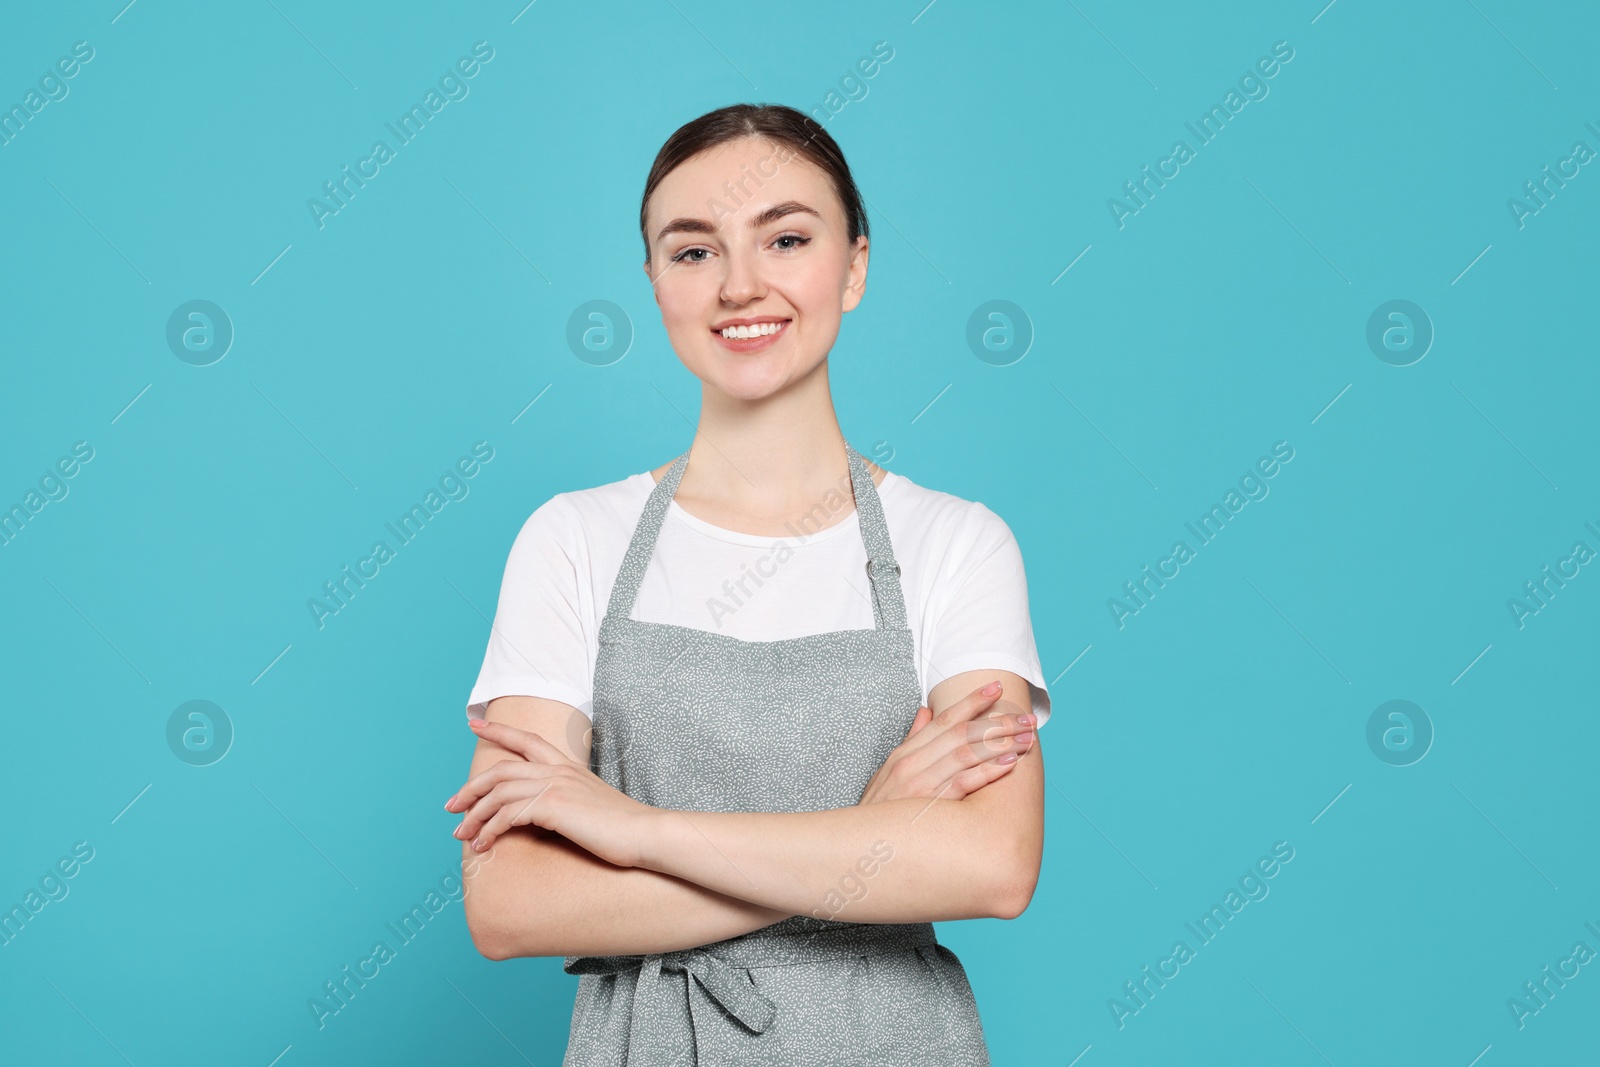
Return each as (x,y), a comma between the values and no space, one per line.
(749,381)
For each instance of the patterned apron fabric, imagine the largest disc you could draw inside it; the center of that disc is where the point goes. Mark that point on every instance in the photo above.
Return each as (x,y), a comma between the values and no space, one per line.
(695,720)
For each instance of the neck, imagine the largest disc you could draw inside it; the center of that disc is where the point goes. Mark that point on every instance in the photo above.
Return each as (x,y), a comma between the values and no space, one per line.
(770,457)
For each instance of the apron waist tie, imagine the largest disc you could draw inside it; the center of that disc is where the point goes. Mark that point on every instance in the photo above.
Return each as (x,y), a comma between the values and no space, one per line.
(722,970)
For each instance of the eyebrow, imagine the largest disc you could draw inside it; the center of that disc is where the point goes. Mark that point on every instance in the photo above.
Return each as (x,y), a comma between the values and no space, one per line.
(770,215)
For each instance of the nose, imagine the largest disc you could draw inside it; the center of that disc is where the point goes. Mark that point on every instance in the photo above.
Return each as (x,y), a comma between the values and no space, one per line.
(742,281)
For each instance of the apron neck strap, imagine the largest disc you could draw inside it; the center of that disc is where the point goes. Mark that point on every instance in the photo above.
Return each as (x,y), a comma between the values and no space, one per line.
(888,603)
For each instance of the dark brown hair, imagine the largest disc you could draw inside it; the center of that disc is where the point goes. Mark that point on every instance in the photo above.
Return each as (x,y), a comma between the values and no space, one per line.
(799,133)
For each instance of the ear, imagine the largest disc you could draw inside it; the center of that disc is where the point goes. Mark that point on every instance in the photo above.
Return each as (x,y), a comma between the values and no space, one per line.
(856,283)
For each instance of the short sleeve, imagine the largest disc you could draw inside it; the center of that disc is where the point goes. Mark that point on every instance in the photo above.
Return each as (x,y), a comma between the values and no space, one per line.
(538,644)
(980,609)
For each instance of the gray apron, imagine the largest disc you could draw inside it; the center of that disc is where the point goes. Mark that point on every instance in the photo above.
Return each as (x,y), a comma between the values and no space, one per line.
(695,720)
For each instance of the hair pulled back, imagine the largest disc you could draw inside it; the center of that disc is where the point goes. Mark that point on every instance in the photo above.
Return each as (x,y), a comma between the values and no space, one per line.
(802,135)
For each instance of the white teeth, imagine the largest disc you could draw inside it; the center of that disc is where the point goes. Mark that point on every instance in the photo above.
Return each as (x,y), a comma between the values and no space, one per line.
(760,329)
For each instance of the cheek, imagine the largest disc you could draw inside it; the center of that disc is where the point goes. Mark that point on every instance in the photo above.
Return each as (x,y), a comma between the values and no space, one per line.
(817,294)
(813,287)
(682,299)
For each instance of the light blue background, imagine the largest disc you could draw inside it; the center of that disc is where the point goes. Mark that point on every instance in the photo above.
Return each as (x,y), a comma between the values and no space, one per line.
(1223,317)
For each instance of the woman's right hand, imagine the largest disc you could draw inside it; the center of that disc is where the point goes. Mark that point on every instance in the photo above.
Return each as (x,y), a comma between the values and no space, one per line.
(956,752)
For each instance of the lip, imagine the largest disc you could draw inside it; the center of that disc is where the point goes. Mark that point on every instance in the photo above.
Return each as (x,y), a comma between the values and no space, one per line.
(750,344)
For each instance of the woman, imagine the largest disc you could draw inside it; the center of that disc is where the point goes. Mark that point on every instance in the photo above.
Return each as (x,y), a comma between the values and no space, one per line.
(744,855)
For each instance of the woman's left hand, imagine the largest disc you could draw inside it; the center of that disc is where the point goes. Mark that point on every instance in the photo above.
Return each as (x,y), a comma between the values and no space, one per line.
(548,789)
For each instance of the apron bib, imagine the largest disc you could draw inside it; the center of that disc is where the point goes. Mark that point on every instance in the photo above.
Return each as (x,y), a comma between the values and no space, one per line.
(694,720)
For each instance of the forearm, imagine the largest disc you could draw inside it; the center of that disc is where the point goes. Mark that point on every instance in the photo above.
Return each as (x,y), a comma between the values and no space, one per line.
(537,894)
(653,880)
(908,860)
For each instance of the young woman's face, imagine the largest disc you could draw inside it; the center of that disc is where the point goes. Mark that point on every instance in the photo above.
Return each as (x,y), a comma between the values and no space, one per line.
(750,235)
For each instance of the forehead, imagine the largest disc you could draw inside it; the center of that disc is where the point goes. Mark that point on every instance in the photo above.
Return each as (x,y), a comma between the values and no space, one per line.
(696,187)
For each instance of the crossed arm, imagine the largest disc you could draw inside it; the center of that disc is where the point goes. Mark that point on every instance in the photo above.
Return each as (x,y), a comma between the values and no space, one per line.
(566,865)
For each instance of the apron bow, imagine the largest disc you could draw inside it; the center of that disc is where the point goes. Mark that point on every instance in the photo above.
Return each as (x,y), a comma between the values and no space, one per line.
(727,986)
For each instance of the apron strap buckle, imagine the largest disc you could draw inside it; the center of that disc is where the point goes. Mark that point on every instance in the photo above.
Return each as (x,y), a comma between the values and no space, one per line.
(881,559)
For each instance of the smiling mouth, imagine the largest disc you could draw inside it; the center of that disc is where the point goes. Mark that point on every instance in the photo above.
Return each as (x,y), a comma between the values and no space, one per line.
(759,329)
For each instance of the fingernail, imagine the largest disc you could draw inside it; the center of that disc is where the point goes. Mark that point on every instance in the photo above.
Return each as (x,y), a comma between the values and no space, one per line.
(1024,720)
(1009,757)
(447,803)
(456,833)
(474,723)
(477,844)
(991,689)
(1023,739)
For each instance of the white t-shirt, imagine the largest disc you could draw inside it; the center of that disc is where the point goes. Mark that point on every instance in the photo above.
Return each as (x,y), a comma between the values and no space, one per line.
(960,568)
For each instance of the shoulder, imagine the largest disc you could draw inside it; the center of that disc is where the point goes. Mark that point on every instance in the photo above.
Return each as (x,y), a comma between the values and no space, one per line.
(943,516)
(576,516)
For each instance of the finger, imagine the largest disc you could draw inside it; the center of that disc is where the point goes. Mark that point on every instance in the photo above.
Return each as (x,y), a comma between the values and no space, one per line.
(515,796)
(974,754)
(525,743)
(994,730)
(973,779)
(486,779)
(516,812)
(946,751)
(923,717)
(536,809)
(969,706)
(963,710)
